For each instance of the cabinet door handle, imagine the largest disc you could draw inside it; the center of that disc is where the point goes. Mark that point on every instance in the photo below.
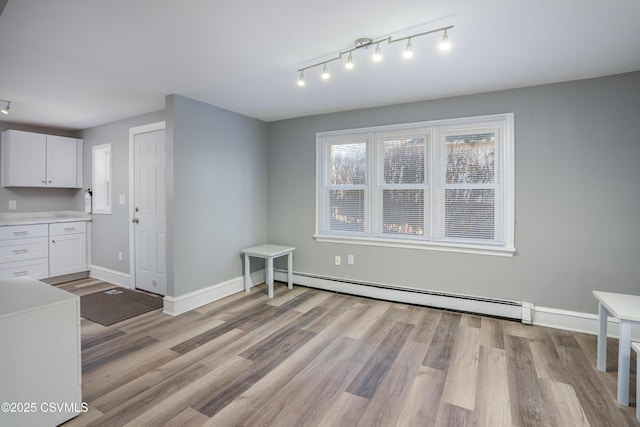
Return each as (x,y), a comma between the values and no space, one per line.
(53,241)
(20,251)
(20,273)
(20,233)
(135,220)
(69,229)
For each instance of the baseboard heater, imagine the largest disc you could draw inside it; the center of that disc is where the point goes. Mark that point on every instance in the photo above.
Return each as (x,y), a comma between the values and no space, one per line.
(519,310)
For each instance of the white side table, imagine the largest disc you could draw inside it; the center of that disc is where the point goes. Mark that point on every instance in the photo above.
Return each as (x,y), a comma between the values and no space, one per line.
(636,348)
(625,308)
(268,252)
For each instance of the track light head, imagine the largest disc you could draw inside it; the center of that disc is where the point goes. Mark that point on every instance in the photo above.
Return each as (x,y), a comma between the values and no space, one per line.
(5,110)
(301,79)
(408,50)
(377,56)
(349,64)
(325,72)
(444,44)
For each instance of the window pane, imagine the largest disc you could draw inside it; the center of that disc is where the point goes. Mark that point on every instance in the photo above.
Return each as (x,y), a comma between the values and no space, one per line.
(469,213)
(347,210)
(404,161)
(470,159)
(348,164)
(101,179)
(403,212)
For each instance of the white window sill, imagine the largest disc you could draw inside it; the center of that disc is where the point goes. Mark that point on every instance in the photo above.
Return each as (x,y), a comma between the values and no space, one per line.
(429,246)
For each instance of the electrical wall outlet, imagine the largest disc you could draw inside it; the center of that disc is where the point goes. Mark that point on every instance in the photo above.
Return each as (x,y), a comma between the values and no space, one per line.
(120,256)
(12,204)
(338,260)
(350,259)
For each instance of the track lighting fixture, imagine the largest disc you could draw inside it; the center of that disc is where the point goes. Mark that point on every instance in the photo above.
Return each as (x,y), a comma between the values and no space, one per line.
(377,56)
(5,110)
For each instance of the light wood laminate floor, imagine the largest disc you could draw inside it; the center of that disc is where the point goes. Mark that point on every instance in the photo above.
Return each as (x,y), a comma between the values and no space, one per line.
(316,358)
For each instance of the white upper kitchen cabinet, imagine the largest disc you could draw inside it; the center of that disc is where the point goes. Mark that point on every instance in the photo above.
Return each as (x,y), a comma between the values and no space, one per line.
(38,160)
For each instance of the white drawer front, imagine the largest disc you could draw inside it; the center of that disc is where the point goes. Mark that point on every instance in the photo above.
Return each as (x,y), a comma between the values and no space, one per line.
(24,231)
(62,228)
(23,249)
(34,268)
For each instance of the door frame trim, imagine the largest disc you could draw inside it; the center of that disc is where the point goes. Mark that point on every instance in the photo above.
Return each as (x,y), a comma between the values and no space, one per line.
(151,127)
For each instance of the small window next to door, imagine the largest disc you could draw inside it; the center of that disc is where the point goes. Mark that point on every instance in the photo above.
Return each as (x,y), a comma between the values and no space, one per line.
(102,179)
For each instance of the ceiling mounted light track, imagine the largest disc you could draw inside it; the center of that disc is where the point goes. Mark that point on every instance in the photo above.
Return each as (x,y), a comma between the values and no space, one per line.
(5,110)
(365,42)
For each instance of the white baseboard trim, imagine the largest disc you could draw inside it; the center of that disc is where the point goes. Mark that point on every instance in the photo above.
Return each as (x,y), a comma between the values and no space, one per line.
(509,309)
(175,306)
(527,313)
(111,276)
(578,322)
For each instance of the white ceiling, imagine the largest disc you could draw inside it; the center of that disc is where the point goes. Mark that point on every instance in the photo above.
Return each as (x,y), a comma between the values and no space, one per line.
(79,63)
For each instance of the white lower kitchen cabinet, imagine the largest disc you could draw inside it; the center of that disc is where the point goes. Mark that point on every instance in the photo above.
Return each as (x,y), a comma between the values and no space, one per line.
(35,268)
(43,250)
(67,248)
(40,361)
(24,251)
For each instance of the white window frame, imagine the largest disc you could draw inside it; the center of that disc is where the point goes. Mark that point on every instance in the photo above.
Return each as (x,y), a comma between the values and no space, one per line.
(434,185)
(101,179)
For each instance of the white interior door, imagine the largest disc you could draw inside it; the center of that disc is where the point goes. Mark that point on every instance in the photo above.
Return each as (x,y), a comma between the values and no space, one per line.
(150,212)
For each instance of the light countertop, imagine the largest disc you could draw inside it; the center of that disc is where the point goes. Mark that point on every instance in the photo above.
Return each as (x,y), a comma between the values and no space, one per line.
(24,294)
(50,217)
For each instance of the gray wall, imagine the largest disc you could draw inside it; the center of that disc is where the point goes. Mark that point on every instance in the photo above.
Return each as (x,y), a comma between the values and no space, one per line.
(577,198)
(577,156)
(217,195)
(40,199)
(216,184)
(110,232)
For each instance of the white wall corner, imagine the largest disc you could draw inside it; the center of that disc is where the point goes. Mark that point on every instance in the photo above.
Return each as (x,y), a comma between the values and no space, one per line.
(175,306)
(112,276)
(183,303)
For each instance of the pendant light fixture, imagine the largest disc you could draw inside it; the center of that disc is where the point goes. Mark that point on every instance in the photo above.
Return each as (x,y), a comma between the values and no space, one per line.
(365,42)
